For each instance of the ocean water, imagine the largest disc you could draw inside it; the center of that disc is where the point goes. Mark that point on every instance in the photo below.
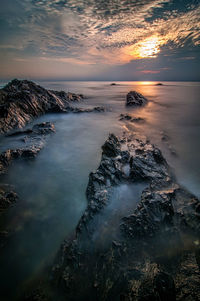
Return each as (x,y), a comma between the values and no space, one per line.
(52,187)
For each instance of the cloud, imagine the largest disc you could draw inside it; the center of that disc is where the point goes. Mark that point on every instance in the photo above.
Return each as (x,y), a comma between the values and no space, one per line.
(102,32)
(150,71)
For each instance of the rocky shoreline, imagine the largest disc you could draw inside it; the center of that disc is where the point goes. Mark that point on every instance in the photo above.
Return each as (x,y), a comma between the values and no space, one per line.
(21,101)
(150,253)
(156,253)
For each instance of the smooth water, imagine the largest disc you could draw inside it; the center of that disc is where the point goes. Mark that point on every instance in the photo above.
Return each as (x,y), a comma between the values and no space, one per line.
(52,187)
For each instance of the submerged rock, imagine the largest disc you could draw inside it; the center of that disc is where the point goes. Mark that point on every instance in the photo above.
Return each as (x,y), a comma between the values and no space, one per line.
(95,109)
(134,98)
(143,262)
(127,117)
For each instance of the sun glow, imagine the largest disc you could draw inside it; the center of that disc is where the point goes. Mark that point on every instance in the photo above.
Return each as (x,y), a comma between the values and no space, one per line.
(147,48)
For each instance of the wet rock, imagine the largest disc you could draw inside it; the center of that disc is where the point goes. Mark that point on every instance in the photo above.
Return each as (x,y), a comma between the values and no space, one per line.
(134,98)
(22,100)
(7,197)
(146,261)
(159,84)
(138,119)
(81,110)
(29,145)
(111,146)
(127,117)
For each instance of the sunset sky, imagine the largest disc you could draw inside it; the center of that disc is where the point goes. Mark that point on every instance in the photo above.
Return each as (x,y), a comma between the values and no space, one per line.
(100,39)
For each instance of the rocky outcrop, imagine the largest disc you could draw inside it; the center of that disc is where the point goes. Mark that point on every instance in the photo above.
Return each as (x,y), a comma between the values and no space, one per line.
(126,117)
(22,100)
(156,246)
(134,98)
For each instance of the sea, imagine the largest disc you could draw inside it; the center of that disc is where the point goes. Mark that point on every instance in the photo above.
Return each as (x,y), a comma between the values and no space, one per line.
(52,187)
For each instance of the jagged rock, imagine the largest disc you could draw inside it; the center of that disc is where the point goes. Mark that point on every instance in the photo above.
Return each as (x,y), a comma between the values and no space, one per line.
(111,146)
(22,100)
(134,98)
(143,262)
(29,145)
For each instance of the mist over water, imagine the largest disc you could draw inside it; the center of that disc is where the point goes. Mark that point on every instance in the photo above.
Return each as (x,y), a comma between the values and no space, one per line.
(52,186)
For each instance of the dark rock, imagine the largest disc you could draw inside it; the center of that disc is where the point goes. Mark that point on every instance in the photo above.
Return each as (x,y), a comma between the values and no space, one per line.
(127,117)
(113,84)
(22,100)
(146,261)
(111,146)
(134,98)
(7,197)
(164,285)
(81,110)
(31,146)
(159,84)
(138,119)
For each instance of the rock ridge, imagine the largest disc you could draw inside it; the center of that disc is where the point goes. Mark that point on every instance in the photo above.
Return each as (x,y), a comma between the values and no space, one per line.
(157,243)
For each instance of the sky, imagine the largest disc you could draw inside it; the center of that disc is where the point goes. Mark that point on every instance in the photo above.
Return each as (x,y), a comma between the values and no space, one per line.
(100,39)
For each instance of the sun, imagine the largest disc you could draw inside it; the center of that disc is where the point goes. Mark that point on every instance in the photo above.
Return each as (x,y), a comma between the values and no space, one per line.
(149,48)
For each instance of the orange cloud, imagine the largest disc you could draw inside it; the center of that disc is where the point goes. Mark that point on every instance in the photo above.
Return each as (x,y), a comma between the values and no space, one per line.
(150,71)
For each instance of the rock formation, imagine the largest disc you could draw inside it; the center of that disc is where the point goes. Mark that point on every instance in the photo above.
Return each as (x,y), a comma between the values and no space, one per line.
(21,101)
(156,248)
(134,98)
